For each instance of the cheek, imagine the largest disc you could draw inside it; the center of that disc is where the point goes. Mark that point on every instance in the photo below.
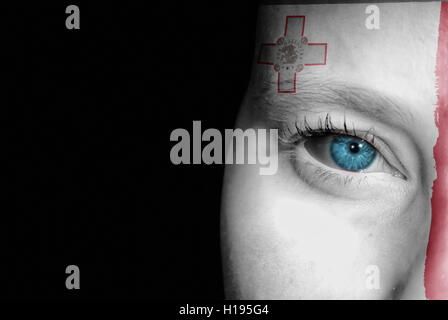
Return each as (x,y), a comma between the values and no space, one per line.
(324,254)
(314,233)
(324,249)
(286,242)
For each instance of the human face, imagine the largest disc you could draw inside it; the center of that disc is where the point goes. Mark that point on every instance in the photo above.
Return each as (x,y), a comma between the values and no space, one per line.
(326,226)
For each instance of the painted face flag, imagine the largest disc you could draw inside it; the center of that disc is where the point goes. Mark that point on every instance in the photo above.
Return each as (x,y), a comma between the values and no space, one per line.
(358,207)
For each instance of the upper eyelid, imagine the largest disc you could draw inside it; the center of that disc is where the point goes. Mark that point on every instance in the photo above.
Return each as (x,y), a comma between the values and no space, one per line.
(326,127)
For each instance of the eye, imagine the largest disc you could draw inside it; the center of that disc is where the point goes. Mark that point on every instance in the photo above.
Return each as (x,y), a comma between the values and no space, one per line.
(352,154)
(348,153)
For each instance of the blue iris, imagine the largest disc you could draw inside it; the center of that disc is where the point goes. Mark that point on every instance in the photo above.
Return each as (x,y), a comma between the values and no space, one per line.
(351,153)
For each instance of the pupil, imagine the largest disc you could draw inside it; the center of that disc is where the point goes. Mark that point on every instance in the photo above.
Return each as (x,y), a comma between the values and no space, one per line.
(354,147)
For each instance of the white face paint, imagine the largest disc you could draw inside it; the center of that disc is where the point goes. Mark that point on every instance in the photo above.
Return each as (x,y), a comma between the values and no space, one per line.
(327,242)
(315,230)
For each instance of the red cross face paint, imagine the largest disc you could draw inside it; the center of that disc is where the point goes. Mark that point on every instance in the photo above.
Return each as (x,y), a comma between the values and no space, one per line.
(358,206)
(291,53)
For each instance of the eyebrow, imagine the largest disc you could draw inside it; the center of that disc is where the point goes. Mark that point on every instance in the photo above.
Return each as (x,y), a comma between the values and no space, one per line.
(319,96)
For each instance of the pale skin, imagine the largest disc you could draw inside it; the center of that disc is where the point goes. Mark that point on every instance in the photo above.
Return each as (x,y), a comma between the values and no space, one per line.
(297,236)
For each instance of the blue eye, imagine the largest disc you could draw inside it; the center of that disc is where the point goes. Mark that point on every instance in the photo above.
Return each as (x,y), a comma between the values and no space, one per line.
(351,153)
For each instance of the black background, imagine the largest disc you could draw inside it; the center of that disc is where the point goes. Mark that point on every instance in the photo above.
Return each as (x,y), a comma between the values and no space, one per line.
(87,126)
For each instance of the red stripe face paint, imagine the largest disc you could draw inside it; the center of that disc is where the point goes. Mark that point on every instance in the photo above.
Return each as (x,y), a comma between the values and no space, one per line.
(436,271)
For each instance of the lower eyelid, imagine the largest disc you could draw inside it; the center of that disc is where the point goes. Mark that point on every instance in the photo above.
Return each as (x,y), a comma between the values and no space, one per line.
(351,185)
(321,172)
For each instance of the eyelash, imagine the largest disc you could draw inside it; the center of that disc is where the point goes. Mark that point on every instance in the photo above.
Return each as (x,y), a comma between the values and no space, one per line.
(324,127)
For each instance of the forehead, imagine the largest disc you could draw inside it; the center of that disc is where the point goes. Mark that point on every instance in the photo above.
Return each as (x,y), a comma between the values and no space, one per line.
(396,58)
